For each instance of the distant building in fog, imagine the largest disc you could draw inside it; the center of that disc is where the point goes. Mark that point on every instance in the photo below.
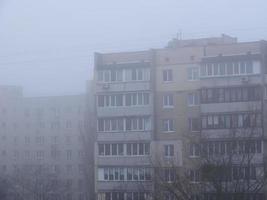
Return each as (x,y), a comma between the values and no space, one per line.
(46,133)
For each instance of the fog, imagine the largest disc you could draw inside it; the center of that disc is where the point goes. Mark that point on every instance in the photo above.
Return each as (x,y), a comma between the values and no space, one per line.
(177,123)
(47,46)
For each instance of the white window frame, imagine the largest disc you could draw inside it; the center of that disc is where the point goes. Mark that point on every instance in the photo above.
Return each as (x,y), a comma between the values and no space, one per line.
(194,176)
(169,75)
(195,99)
(169,174)
(239,68)
(168,123)
(137,94)
(169,150)
(166,99)
(194,151)
(140,174)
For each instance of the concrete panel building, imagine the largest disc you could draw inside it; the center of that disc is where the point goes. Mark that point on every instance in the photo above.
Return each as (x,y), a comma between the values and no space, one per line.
(207,98)
(125,125)
(44,134)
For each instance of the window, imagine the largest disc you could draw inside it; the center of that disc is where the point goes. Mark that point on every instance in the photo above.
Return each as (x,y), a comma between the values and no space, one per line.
(168,125)
(110,75)
(116,75)
(242,68)
(168,100)
(131,99)
(194,124)
(193,73)
(249,67)
(137,74)
(138,149)
(216,70)
(235,120)
(107,149)
(116,100)
(134,74)
(146,98)
(167,75)
(101,149)
(147,148)
(40,155)
(228,68)
(136,99)
(114,149)
(119,149)
(169,150)
(193,99)
(138,123)
(110,124)
(234,94)
(242,147)
(194,150)
(236,68)
(124,174)
(101,100)
(194,175)
(124,196)
(169,174)
(209,69)
(55,125)
(203,70)
(247,172)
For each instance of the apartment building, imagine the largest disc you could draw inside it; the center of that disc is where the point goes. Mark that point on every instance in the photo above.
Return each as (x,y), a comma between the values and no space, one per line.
(232,110)
(207,101)
(211,93)
(44,139)
(125,125)
(177,109)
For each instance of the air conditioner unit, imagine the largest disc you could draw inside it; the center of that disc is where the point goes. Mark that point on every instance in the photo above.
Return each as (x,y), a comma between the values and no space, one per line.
(105,86)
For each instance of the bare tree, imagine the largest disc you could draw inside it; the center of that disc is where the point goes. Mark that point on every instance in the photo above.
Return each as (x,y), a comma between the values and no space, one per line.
(236,169)
(172,181)
(35,182)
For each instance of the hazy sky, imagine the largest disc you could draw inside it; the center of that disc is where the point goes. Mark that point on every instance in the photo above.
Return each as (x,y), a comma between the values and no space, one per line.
(47,46)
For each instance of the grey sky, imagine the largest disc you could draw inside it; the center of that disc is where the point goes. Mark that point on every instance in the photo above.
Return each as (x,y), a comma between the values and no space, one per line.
(47,46)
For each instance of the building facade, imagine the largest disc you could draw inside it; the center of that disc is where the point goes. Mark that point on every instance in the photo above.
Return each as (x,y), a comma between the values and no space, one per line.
(125,125)
(232,113)
(42,146)
(207,102)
